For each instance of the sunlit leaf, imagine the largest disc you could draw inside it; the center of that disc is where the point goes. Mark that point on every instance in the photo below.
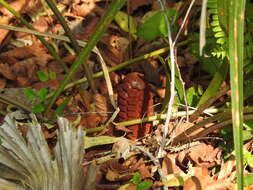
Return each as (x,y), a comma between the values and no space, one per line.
(154,25)
(126,22)
(42,93)
(136,178)
(38,107)
(43,77)
(30,93)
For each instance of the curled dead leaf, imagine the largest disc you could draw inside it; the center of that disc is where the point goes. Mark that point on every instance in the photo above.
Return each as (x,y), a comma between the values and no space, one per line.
(199,179)
(84,8)
(2,83)
(7,71)
(102,106)
(208,158)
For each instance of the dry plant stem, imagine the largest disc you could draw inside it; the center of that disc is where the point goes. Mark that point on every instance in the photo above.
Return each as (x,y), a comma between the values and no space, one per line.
(218,126)
(174,44)
(152,158)
(173,63)
(225,115)
(202,32)
(73,41)
(108,81)
(184,135)
(182,26)
(208,103)
(65,26)
(44,34)
(165,128)
(101,28)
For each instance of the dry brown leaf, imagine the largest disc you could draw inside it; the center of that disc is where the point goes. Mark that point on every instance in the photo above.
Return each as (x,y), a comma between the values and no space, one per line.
(227,169)
(115,169)
(2,83)
(23,81)
(17,5)
(52,84)
(111,52)
(90,120)
(112,175)
(199,180)
(20,6)
(3,33)
(220,185)
(41,24)
(83,9)
(209,157)
(90,26)
(169,165)
(121,147)
(35,50)
(151,71)
(102,106)
(145,171)
(7,71)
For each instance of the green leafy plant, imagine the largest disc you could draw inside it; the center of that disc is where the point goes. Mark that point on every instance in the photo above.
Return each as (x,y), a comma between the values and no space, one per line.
(141,185)
(126,23)
(192,96)
(40,95)
(153,25)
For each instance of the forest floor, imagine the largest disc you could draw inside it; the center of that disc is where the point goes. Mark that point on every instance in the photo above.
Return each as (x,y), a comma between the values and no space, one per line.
(196,153)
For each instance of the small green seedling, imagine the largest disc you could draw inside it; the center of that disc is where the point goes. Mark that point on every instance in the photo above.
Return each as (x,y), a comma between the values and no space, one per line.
(45,76)
(42,93)
(141,185)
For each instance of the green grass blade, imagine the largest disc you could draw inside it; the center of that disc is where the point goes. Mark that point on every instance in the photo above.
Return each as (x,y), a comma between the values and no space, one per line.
(214,85)
(236,43)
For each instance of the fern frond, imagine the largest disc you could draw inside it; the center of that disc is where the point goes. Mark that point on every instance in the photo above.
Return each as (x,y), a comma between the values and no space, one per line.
(219,52)
(212,7)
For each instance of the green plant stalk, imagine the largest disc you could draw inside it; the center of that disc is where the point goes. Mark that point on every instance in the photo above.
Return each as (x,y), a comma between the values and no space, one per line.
(75,46)
(129,62)
(149,119)
(215,83)
(43,41)
(124,64)
(167,91)
(73,41)
(217,126)
(101,28)
(207,103)
(236,44)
